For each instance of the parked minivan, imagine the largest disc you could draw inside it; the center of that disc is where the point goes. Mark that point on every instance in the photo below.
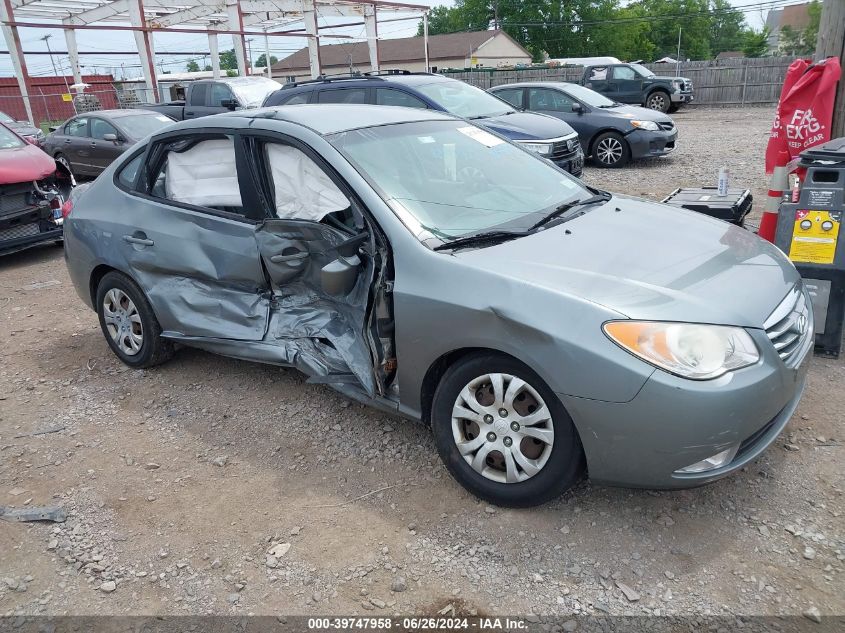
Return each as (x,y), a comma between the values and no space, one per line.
(550,138)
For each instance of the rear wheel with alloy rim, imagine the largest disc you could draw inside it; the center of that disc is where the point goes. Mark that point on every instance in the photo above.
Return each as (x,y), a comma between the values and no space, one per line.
(611,150)
(129,324)
(503,434)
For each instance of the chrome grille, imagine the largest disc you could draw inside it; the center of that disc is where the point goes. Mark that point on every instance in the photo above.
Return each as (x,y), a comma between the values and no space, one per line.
(791,325)
(23,230)
(562,149)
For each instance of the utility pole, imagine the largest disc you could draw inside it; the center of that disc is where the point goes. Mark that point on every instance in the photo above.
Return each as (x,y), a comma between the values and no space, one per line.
(46,40)
(248,55)
(831,43)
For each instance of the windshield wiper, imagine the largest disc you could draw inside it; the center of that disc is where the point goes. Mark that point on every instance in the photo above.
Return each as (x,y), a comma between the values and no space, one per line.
(486,237)
(601,196)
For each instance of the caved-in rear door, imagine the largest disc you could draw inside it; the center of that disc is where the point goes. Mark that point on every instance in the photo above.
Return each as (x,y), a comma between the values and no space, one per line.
(321,279)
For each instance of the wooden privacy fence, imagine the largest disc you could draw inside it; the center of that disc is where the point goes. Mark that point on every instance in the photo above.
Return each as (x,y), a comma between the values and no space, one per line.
(732,81)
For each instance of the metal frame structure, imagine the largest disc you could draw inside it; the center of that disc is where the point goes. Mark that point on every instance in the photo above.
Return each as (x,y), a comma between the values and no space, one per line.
(239,18)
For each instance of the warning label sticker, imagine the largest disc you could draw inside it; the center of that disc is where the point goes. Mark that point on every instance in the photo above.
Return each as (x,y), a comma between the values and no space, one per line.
(814,236)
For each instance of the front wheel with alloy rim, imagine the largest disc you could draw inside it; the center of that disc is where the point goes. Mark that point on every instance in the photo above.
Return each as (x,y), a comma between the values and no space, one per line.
(129,324)
(611,150)
(658,100)
(503,434)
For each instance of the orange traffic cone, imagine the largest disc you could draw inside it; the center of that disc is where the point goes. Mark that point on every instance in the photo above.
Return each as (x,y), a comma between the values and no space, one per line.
(779,184)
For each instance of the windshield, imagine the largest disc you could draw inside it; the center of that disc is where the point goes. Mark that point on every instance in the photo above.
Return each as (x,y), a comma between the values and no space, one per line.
(453,179)
(9,139)
(590,97)
(5,118)
(138,126)
(463,100)
(251,93)
(645,72)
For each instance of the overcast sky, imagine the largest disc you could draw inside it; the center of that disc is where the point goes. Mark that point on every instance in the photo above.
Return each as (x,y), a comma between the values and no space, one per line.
(96,41)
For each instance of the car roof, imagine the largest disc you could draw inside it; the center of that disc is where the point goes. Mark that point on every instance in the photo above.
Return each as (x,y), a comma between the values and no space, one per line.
(535,84)
(329,118)
(408,79)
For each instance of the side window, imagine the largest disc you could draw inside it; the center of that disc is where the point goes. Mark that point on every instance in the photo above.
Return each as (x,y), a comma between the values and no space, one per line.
(77,127)
(393,97)
(623,72)
(99,128)
(199,94)
(302,97)
(301,189)
(598,73)
(511,95)
(201,172)
(545,99)
(219,94)
(343,95)
(129,172)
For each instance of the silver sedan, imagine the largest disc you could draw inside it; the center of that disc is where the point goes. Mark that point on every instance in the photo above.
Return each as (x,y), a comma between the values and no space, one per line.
(432,269)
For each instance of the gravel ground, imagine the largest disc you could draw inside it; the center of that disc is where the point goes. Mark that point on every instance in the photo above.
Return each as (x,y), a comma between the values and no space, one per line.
(214,486)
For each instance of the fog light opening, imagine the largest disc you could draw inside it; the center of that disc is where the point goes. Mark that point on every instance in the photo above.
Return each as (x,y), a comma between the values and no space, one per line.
(711,463)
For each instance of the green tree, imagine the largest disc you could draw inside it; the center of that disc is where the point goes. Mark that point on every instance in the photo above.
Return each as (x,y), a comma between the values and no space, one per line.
(727,28)
(756,43)
(192,67)
(261,62)
(229,61)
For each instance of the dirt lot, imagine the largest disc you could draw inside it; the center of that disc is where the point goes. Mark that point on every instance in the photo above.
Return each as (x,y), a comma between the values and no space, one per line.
(178,481)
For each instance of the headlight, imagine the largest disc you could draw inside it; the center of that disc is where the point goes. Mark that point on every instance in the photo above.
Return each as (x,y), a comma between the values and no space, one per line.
(646,125)
(543,149)
(689,350)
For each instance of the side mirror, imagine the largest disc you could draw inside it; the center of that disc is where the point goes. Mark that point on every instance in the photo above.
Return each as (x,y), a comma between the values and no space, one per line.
(53,128)
(338,277)
(577,108)
(31,140)
(231,104)
(110,137)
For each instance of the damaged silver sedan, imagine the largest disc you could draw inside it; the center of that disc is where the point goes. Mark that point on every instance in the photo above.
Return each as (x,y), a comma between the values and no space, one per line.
(427,267)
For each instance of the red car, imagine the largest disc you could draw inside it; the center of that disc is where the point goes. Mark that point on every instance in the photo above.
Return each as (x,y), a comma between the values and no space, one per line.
(33,190)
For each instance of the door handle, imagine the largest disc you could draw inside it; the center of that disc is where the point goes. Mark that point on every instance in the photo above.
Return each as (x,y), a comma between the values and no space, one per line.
(277,259)
(67,141)
(143,241)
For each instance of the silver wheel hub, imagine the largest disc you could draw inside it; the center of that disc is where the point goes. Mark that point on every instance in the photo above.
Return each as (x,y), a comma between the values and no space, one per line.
(123,322)
(609,150)
(502,428)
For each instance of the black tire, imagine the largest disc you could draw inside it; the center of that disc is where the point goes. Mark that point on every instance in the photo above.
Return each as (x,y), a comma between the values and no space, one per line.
(565,464)
(658,100)
(154,350)
(674,108)
(610,149)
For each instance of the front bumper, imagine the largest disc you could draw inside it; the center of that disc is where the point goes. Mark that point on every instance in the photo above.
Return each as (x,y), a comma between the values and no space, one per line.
(573,163)
(673,423)
(651,144)
(682,97)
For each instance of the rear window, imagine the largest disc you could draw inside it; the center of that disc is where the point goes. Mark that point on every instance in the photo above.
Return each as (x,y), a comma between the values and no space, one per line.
(198,94)
(138,126)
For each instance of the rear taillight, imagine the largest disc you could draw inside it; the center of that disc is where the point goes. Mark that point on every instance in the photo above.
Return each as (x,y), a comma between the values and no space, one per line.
(67,207)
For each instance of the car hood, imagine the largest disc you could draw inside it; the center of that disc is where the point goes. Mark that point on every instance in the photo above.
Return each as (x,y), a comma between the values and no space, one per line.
(24,164)
(23,128)
(650,261)
(636,112)
(520,126)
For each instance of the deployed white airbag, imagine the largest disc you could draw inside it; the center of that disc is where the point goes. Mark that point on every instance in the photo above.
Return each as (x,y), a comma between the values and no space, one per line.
(303,190)
(204,175)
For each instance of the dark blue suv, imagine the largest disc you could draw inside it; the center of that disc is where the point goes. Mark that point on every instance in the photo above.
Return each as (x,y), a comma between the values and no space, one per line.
(548,136)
